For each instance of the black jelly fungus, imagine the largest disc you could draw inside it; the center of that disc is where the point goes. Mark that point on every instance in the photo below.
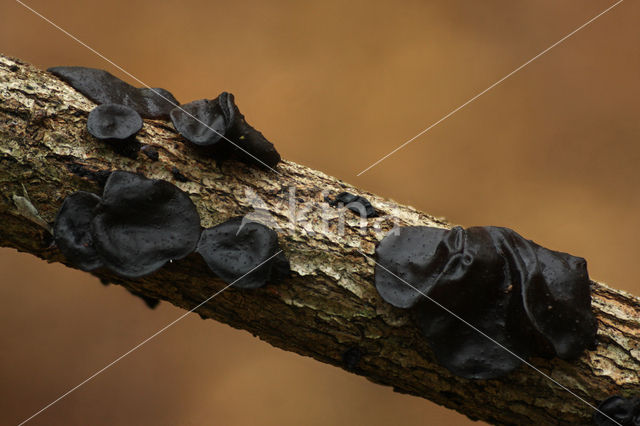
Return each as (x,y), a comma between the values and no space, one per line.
(531,300)
(104,88)
(113,122)
(150,152)
(355,203)
(237,251)
(141,224)
(178,176)
(202,122)
(218,123)
(624,411)
(414,254)
(72,230)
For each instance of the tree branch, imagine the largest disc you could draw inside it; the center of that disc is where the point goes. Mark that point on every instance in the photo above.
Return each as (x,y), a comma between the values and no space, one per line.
(329,307)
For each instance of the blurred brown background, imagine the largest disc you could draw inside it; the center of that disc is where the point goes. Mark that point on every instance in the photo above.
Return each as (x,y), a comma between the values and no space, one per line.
(552,152)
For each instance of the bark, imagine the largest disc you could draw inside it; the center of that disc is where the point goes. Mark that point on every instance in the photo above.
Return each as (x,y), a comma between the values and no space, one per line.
(329,306)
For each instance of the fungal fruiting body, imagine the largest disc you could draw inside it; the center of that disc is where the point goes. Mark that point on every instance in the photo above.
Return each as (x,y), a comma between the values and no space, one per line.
(137,226)
(218,125)
(113,122)
(355,203)
(104,88)
(528,299)
(624,411)
(72,230)
(203,122)
(243,253)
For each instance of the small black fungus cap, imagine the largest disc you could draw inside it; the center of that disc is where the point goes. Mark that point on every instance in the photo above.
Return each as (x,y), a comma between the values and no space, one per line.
(355,203)
(72,230)
(203,122)
(103,88)
(215,122)
(234,248)
(414,255)
(143,223)
(113,122)
(625,411)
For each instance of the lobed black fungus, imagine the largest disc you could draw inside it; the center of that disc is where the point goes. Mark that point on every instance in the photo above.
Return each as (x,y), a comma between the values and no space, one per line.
(113,122)
(143,223)
(218,124)
(355,203)
(530,300)
(203,122)
(236,249)
(137,226)
(104,88)
(624,411)
(72,230)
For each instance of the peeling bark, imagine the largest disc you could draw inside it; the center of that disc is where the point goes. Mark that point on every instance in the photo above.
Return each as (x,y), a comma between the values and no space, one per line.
(329,306)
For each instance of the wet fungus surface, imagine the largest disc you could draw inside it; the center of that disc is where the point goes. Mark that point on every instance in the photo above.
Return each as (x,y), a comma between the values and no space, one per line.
(218,125)
(625,411)
(243,253)
(113,122)
(141,224)
(104,88)
(355,203)
(528,299)
(137,226)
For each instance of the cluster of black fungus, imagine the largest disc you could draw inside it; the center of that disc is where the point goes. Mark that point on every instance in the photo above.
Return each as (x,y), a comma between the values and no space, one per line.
(137,226)
(530,300)
(104,88)
(243,249)
(355,203)
(623,411)
(218,125)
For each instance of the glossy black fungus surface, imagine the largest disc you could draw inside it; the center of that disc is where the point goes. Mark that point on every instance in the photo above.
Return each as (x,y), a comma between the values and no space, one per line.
(531,300)
(203,122)
(624,411)
(237,252)
(355,203)
(143,223)
(72,230)
(113,122)
(217,123)
(102,87)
